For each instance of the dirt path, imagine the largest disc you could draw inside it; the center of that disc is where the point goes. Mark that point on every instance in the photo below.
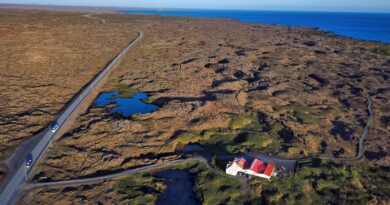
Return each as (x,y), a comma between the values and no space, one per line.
(91,17)
(361,140)
(116,175)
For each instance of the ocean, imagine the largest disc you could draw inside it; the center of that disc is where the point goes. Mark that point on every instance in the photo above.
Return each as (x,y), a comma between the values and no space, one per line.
(366,26)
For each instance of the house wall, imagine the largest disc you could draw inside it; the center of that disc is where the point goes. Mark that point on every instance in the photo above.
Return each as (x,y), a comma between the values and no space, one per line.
(250,172)
(232,170)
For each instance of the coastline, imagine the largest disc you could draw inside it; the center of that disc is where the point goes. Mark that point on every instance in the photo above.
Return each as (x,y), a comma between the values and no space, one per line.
(180,13)
(124,10)
(229,85)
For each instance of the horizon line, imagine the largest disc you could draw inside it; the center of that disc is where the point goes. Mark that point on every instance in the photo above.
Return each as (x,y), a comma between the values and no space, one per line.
(119,8)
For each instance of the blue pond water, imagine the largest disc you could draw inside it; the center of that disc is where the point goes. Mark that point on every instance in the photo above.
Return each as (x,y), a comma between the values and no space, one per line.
(193,148)
(179,188)
(125,106)
(368,26)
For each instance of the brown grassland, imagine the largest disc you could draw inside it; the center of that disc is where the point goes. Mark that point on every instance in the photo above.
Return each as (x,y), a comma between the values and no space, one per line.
(292,91)
(46,58)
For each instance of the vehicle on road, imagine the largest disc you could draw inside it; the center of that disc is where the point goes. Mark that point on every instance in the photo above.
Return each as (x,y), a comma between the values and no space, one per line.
(54,126)
(29,160)
(15,182)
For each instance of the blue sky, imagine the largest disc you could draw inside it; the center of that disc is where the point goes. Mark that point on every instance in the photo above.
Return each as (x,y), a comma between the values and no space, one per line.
(302,5)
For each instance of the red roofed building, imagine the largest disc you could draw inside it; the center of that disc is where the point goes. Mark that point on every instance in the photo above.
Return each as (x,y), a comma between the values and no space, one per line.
(241,163)
(257,166)
(254,167)
(269,169)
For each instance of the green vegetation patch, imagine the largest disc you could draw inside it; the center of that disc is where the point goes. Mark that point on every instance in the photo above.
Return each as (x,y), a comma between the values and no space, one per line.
(261,141)
(125,91)
(184,139)
(306,114)
(140,188)
(145,122)
(229,141)
(385,50)
(376,181)
(244,132)
(315,182)
(241,121)
(213,186)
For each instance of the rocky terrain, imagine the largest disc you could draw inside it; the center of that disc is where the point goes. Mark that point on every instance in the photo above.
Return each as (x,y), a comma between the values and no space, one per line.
(45,59)
(291,91)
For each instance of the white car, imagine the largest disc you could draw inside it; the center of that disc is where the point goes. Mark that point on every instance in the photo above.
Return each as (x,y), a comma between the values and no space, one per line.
(54,126)
(29,161)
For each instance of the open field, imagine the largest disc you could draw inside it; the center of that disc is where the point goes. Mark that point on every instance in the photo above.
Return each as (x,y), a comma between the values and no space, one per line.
(46,58)
(295,92)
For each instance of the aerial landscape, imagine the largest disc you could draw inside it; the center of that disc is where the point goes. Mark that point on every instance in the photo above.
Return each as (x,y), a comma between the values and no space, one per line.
(133,104)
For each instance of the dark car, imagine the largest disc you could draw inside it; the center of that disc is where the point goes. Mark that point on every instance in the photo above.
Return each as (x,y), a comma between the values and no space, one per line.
(54,126)
(29,160)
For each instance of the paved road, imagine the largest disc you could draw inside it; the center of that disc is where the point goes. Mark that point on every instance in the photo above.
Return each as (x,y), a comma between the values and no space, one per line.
(280,162)
(120,174)
(15,180)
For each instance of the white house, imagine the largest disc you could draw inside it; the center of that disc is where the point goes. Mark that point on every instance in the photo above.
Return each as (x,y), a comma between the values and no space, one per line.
(253,167)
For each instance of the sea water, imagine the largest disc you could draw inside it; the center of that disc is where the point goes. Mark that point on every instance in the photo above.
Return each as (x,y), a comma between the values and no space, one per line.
(366,26)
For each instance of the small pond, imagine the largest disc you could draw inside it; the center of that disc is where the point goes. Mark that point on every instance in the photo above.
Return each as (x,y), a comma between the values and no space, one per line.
(125,106)
(193,148)
(179,188)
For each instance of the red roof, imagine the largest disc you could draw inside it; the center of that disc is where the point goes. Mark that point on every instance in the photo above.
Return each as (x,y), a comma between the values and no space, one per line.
(255,165)
(258,166)
(270,168)
(241,163)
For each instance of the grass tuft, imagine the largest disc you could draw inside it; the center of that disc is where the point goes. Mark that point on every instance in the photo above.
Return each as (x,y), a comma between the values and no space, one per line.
(385,50)
(240,121)
(125,91)
(140,189)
